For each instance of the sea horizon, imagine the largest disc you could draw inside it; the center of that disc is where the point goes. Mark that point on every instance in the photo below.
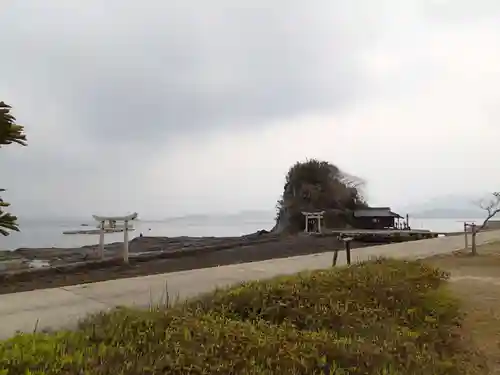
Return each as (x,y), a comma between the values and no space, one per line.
(47,233)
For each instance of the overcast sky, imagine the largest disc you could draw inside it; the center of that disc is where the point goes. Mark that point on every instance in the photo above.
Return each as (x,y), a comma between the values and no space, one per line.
(179,107)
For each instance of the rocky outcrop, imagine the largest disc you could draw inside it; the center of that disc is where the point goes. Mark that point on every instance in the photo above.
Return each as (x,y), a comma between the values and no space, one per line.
(282,223)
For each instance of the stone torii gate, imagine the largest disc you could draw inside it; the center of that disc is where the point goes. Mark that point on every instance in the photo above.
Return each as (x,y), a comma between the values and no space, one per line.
(318,216)
(112,221)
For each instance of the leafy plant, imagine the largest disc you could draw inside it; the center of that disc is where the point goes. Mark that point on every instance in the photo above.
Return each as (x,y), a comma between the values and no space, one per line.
(10,132)
(7,221)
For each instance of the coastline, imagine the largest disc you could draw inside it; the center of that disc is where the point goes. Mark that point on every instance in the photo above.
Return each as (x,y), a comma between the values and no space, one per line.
(181,254)
(26,269)
(47,235)
(63,255)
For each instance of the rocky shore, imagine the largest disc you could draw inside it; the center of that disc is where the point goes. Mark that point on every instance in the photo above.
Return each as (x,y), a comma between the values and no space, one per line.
(59,256)
(153,255)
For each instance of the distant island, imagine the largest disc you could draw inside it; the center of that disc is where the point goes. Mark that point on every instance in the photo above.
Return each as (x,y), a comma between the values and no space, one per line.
(451,206)
(448,213)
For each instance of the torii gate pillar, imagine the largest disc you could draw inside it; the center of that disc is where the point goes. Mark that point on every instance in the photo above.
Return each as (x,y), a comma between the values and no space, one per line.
(313,215)
(113,220)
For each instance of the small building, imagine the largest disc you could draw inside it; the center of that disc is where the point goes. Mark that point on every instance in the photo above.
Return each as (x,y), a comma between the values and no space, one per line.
(375,218)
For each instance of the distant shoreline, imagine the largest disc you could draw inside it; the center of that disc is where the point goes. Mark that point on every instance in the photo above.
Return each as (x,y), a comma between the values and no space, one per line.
(437,216)
(51,237)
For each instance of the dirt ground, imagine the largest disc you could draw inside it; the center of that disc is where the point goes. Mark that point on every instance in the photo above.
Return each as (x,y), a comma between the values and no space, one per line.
(476,281)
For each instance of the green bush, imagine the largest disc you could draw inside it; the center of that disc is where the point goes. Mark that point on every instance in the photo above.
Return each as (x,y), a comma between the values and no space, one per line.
(360,295)
(380,317)
(202,344)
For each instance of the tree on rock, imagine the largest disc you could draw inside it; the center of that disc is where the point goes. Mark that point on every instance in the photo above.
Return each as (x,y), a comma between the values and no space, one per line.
(10,132)
(316,185)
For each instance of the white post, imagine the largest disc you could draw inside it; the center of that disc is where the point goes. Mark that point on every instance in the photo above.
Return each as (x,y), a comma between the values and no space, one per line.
(319,223)
(125,243)
(101,240)
(112,222)
(307,223)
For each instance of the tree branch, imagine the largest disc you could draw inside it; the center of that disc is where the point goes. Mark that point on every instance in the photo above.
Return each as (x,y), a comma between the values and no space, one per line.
(492,207)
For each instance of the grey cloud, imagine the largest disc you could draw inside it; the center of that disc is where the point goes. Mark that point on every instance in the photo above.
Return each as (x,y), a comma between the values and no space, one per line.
(55,184)
(140,75)
(129,74)
(118,79)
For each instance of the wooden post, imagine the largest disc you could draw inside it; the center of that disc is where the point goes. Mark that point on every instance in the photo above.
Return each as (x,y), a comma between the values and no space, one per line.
(465,236)
(101,240)
(473,242)
(319,223)
(407,222)
(335,257)
(125,243)
(347,244)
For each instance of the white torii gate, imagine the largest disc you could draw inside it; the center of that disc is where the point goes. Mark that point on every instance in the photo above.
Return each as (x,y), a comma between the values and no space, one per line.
(112,220)
(315,216)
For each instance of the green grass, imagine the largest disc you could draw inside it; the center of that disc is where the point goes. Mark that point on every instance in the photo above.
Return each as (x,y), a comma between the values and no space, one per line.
(378,317)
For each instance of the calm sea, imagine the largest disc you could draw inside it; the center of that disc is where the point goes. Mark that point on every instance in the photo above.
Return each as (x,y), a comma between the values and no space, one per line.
(49,233)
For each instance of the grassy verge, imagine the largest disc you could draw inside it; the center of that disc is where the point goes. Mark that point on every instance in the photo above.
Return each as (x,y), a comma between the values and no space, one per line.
(475,280)
(379,317)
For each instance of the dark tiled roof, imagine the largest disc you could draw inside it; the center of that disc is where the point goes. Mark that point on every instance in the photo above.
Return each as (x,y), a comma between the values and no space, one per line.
(375,212)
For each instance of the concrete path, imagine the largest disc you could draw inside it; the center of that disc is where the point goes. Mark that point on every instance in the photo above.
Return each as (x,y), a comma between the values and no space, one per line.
(63,307)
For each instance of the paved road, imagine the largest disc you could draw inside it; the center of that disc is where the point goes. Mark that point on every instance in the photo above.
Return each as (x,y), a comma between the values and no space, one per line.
(62,307)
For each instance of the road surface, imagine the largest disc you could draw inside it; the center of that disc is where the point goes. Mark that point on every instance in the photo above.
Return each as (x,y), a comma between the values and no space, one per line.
(63,307)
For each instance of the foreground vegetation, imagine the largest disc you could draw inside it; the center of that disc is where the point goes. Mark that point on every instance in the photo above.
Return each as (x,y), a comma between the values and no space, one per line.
(10,132)
(379,317)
